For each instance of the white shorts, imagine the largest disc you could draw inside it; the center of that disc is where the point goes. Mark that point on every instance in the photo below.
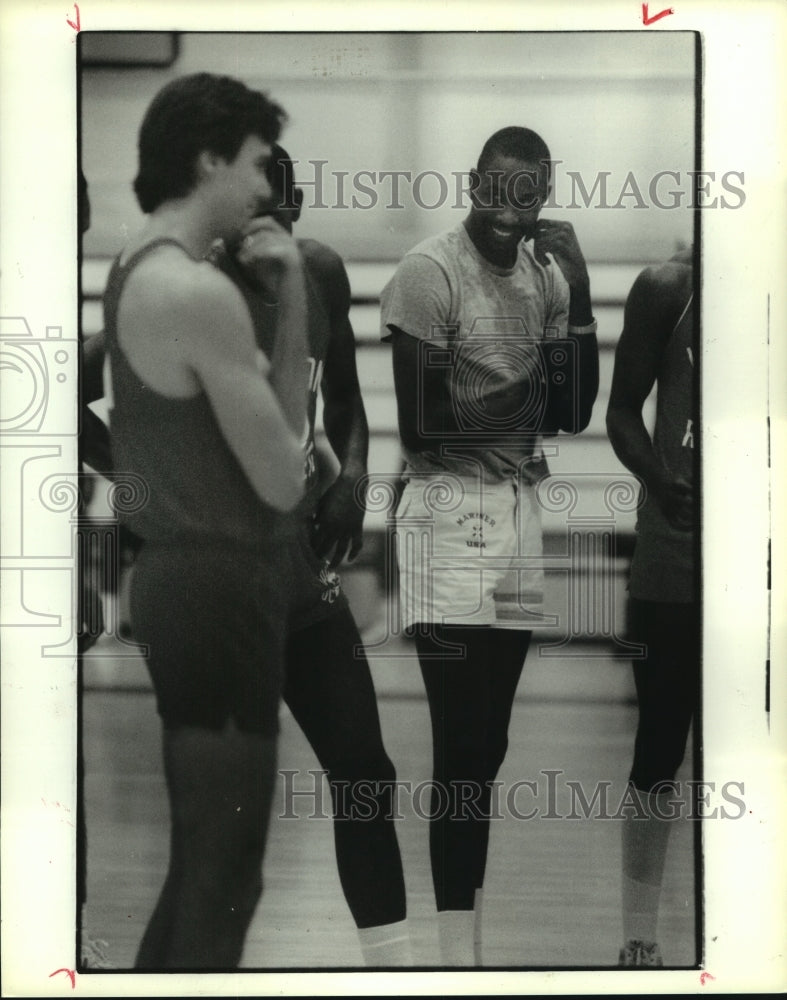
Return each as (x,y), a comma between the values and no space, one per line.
(469,556)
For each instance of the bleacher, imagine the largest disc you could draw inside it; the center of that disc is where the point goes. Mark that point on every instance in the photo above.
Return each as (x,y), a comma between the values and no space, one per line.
(585,511)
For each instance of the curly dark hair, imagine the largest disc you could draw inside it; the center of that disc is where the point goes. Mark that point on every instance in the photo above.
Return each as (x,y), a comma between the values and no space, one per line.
(190,115)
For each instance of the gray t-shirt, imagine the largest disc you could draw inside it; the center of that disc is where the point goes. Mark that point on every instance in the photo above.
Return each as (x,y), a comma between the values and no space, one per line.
(446,293)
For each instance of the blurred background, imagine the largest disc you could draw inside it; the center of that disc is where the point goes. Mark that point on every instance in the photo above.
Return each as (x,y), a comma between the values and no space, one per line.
(620,102)
(616,109)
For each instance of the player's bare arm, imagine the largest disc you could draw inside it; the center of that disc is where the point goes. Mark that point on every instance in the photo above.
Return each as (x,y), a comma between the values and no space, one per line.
(94,440)
(652,310)
(340,512)
(93,352)
(198,335)
(571,406)
(270,255)
(415,382)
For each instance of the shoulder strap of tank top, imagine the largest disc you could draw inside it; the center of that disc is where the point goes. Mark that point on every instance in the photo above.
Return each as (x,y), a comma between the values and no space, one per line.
(683,313)
(119,273)
(138,255)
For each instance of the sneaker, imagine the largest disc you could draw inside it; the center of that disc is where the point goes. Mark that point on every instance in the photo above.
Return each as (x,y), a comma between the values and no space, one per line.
(94,954)
(640,955)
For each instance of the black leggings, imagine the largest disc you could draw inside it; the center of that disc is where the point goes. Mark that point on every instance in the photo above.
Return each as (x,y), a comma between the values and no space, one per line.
(330,693)
(667,683)
(470,702)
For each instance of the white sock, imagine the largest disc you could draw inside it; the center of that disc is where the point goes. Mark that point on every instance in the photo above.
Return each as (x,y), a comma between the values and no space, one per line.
(477,928)
(640,910)
(456,931)
(644,854)
(386,945)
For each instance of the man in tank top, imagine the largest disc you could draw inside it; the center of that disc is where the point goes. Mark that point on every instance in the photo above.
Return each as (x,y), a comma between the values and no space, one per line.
(211,439)
(328,685)
(657,346)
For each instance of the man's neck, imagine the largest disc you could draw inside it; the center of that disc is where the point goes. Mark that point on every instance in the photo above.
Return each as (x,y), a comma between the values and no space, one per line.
(185,222)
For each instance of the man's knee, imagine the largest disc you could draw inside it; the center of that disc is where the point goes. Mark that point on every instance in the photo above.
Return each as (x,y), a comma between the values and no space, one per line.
(361,763)
(363,781)
(648,774)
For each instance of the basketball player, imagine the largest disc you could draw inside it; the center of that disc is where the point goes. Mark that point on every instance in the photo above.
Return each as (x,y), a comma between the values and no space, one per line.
(657,347)
(473,316)
(214,442)
(328,686)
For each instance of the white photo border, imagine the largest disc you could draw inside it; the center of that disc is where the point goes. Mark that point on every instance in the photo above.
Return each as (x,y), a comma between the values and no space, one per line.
(743,323)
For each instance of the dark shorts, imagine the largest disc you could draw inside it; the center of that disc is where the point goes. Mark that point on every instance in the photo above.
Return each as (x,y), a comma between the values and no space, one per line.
(214,621)
(316,589)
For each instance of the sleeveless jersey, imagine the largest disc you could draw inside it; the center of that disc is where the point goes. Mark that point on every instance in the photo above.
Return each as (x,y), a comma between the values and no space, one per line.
(264,316)
(662,568)
(192,486)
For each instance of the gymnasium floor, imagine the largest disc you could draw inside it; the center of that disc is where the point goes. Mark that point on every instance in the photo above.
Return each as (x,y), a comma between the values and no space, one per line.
(552,886)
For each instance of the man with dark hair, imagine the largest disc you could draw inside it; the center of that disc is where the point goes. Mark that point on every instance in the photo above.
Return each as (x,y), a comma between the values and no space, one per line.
(494,344)
(328,685)
(211,436)
(657,347)
(193,113)
(516,143)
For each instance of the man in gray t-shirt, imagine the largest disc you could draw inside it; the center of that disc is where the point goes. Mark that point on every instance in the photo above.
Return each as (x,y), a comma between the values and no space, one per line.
(494,345)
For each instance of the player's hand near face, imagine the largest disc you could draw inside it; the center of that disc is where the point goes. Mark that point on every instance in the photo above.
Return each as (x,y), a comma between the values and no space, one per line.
(270,255)
(338,522)
(559,239)
(268,252)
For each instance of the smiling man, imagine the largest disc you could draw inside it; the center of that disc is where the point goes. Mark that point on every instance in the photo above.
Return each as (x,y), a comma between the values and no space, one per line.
(494,344)
(212,436)
(328,685)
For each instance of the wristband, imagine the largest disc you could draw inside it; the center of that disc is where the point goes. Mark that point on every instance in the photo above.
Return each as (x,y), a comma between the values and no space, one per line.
(590,328)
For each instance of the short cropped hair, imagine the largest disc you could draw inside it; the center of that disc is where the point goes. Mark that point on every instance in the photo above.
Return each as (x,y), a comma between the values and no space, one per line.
(519,144)
(190,115)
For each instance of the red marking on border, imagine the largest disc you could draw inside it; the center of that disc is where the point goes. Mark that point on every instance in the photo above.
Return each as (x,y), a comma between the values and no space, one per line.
(705,976)
(71,23)
(71,973)
(656,17)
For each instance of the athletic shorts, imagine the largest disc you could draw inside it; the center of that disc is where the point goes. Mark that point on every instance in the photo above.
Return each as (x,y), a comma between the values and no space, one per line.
(316,588)
(469,556)
(214,621)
